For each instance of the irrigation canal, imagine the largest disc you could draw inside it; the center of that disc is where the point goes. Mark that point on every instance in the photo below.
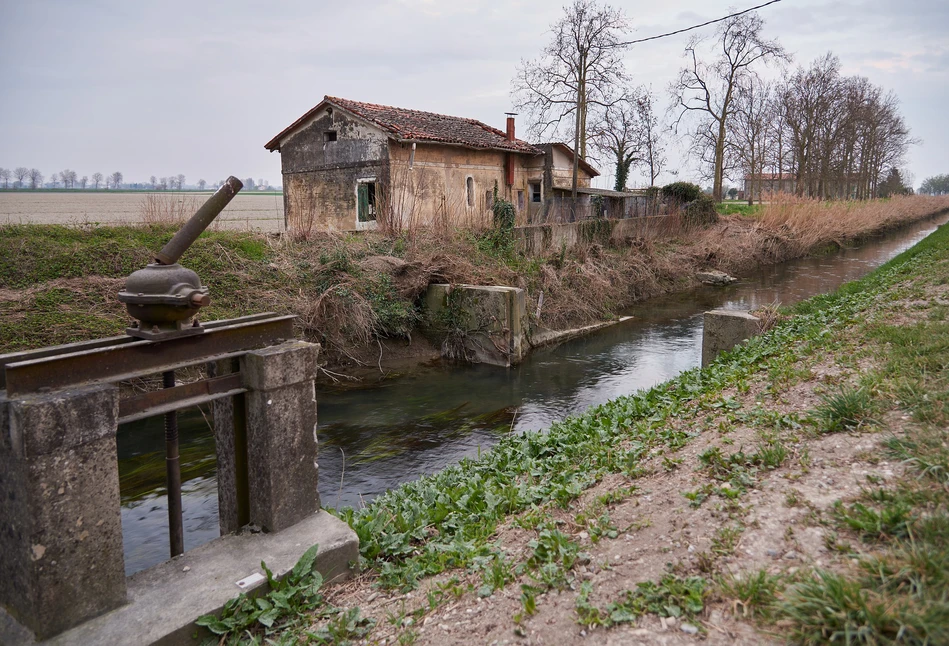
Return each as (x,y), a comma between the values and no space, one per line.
(376,438)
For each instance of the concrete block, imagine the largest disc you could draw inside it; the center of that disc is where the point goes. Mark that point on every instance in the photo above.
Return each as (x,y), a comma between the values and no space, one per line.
(61,558)
(488,321)
(724,329)
(280,365)
(165,601)
(41,424)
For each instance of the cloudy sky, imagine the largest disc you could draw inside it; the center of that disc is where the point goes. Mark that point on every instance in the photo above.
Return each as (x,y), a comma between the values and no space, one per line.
(198,87)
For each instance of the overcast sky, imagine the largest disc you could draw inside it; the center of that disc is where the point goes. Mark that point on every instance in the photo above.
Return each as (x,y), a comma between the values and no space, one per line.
(199,87)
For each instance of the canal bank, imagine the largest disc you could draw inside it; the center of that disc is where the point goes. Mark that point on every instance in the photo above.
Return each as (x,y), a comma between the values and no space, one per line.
(373,440)
(790,486)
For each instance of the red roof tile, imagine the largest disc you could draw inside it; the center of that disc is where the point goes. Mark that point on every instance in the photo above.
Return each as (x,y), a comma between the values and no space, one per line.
(405,124)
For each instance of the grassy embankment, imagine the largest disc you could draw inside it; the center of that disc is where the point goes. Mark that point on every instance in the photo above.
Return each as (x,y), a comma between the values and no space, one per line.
(358,295)
(798,487)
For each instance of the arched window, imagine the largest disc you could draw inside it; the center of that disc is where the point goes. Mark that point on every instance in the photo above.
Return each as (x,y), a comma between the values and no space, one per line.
(469,185)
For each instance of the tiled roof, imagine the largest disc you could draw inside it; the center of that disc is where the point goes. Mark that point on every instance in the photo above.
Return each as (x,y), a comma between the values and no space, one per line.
(416,125)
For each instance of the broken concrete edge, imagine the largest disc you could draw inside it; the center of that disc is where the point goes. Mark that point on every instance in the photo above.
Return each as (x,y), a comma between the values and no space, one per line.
(543,337)
(166,600)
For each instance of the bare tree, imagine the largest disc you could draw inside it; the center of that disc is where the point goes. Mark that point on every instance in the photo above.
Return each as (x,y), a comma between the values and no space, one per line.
(653,140)
(707,90)
(202,184)
(5,177)
(36,178)
(83,182)
(181,181)
(750,122)
(580,67)
(618,133)
(153,181)
(20,173)
(53,180)
(116,178)
(97,179)
(68,178)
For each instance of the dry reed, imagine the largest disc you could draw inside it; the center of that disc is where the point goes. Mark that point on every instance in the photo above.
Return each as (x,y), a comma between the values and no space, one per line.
(167,208)
(809,224)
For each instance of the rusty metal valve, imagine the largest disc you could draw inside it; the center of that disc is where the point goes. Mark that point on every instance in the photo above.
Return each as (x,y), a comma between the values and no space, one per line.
(164,296)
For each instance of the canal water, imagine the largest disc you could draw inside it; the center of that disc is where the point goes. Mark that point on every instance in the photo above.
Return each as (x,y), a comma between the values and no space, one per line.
(373,439)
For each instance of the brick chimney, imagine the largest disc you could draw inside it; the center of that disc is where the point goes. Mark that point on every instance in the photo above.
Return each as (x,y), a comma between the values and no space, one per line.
(510,125)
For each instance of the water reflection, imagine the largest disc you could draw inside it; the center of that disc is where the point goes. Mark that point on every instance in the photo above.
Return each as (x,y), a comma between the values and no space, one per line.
(372,440)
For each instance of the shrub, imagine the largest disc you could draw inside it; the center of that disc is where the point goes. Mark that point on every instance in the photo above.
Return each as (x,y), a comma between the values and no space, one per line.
(682,191)
(701,211)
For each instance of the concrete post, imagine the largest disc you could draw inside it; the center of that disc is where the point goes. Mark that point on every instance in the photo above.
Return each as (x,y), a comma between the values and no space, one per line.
(230,442)
(61,559)
(281,433)
(724,329)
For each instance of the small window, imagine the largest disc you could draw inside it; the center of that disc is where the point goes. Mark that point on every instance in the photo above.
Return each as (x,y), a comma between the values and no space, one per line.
(469,188)
(520,200)
(366,197)
(329,135)
(535,192)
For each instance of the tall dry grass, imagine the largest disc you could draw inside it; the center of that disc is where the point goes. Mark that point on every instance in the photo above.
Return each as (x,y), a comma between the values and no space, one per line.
(168,208)
(807,224)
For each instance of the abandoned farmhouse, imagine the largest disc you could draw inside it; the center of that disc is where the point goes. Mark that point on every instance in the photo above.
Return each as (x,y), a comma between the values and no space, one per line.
(349,165)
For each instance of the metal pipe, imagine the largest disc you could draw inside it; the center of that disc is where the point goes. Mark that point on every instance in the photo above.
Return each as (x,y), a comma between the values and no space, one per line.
(176,538)
(194,227)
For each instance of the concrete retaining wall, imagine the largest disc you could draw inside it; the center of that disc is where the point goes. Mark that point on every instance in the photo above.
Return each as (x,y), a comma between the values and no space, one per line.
(481,324)
(540,238)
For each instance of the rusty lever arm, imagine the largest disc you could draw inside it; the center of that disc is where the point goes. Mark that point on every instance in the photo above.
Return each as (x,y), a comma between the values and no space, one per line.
(200,221)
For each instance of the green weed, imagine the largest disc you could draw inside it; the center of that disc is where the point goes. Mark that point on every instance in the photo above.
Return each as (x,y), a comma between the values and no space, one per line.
(754,592)
(846,409)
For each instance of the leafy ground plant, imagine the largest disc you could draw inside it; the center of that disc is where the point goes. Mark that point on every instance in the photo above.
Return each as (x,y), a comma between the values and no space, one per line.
(672,596)
(291,602)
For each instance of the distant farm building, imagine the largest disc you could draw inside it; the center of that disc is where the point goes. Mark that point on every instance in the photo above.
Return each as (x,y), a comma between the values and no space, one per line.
(764,184)
(349,165)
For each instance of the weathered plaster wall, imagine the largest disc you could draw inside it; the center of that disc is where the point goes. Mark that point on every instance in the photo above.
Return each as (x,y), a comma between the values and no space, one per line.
(562,167)
(319,176)
(433,192)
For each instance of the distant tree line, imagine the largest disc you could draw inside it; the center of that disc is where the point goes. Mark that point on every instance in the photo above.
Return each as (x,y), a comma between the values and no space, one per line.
(32,178)
(935,185)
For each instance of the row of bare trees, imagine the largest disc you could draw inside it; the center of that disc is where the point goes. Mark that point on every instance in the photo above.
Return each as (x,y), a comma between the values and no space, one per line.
(814,132)
(173,183)
(22,177)
(830,135)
